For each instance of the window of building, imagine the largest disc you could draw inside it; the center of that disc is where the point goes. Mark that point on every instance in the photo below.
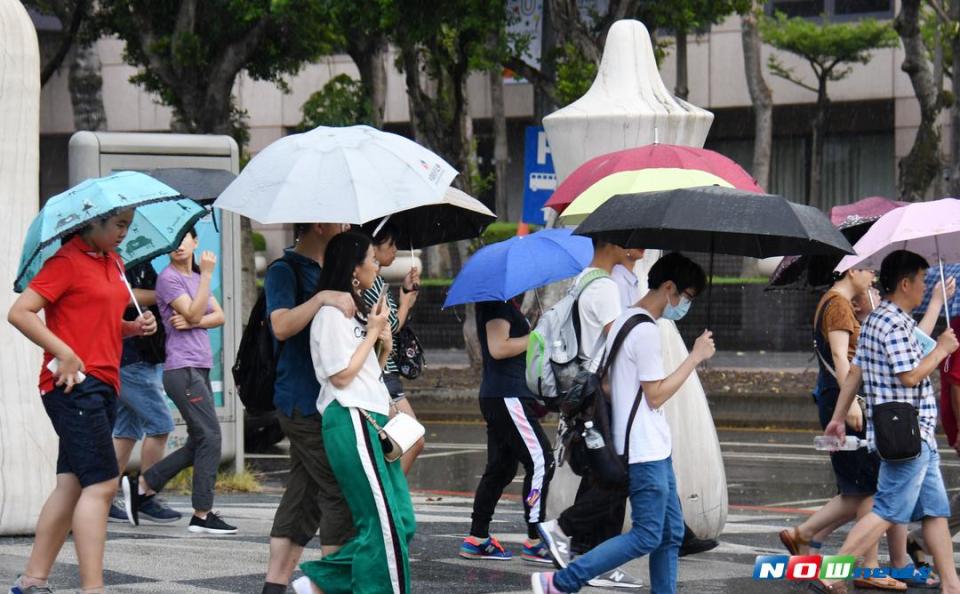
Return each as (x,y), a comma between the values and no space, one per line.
(834,9)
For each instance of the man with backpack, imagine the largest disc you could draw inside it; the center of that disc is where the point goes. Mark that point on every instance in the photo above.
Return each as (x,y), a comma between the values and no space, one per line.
(312,500)
(639,387)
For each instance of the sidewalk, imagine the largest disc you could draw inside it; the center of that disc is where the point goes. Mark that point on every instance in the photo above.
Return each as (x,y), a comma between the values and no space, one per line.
(723,360)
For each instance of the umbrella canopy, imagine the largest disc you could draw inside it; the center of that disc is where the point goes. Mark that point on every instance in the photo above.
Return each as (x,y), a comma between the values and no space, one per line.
(351,175)
(652,157)
(633,182)
(853,220)
(161,219)
(508,268)
(458,216)
(201,185)
(715,220)
(931,229)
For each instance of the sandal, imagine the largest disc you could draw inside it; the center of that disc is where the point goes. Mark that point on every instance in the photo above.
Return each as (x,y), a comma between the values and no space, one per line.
(885,583)
(923,583)
(792,541)
(915,551)
(821,588)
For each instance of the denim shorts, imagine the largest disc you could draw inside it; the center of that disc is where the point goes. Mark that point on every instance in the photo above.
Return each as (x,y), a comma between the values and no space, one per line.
(83,420)
(394,386)
(911,490)
(142,410)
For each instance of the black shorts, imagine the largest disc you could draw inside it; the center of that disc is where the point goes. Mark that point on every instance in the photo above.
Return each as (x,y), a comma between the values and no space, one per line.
(856,471)
(83,420)
(394,386)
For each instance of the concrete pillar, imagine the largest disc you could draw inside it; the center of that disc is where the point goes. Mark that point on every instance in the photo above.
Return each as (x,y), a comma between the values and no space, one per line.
(28,445)
(628,106)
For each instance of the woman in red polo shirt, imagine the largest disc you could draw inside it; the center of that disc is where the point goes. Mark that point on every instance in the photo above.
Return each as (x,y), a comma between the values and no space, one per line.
(82,293)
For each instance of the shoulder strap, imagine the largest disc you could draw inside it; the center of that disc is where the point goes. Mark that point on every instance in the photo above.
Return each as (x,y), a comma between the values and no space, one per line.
(628,326)
(576,291)
(818,334)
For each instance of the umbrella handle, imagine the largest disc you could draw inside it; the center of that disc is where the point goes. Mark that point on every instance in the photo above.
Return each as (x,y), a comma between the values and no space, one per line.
(133,298)
(946,304)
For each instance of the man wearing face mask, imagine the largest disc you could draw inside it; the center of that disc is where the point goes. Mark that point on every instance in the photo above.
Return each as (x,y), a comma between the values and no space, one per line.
(637,372)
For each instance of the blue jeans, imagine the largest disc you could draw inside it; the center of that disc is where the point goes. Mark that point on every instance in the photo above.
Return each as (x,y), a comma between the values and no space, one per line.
(911,490)
(142,408)
(657,530)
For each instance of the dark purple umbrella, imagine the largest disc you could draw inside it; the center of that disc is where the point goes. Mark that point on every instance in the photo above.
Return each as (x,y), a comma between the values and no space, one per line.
(814,272)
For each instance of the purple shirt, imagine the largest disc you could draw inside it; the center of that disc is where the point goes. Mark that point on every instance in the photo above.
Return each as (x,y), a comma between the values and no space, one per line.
(185,348)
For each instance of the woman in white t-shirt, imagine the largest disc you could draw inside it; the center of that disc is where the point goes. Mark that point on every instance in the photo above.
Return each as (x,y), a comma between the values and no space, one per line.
(349,355)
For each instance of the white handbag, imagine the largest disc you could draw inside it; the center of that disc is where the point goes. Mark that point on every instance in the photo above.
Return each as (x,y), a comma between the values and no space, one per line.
(398,435)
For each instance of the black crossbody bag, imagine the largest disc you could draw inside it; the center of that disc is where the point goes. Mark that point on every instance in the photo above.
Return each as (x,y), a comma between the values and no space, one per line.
(896,428)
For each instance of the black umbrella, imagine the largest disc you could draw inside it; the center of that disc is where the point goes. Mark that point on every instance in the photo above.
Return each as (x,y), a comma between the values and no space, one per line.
(202,185)
(715,220)
(458,216)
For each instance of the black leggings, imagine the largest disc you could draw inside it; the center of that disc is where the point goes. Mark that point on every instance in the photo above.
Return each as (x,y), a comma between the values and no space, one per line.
(514,437)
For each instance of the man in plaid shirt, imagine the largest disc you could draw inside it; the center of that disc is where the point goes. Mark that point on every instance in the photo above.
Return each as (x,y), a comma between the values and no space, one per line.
(893,368)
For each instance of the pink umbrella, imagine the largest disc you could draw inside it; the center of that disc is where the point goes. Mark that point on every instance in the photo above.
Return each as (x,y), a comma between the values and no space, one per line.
(931,229)
(651,156)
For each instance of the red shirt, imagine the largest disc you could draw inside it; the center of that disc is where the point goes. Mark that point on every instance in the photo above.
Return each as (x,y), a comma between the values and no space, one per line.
(86,298)
(948,416)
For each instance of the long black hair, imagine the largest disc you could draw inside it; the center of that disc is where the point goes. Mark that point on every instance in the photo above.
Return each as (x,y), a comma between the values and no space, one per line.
(192,232)
(344,253)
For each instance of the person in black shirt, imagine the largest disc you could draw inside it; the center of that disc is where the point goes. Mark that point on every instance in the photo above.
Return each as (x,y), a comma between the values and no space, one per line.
(514,435)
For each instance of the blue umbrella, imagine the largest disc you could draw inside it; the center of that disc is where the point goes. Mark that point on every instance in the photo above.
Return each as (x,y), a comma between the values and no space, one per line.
(161,219)
(506,269)
(933,277)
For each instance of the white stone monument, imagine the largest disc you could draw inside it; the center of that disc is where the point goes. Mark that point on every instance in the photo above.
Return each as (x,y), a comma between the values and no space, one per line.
(628,106)
(28,445)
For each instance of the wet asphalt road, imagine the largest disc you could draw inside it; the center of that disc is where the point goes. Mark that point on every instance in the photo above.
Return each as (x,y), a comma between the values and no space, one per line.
(775,478)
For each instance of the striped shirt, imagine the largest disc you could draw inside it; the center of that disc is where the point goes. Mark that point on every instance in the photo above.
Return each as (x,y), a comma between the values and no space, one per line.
(886,349)
(370,298)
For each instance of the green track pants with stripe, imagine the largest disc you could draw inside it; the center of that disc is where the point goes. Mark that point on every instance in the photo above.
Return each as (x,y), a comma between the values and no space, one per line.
(376,560)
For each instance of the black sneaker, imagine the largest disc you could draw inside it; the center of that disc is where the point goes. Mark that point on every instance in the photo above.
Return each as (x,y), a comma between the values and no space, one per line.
(693,545)
(212,525)
(131,497)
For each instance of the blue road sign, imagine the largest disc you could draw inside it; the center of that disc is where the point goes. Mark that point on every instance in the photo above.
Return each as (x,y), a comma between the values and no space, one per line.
(539,178)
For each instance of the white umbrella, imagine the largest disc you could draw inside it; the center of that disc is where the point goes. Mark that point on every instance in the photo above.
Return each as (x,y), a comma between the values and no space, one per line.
(931,229)
(352,175)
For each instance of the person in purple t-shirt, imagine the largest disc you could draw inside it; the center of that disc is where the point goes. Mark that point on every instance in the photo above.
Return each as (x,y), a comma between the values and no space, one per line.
(188,310)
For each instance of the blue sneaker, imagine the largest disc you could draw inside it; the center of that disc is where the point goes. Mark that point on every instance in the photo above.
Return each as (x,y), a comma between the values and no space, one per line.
(117,515)
(536,553)
(487,550)
(155,509)
(542,583)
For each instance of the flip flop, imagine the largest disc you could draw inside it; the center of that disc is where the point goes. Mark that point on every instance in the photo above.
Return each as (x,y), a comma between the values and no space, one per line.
(887,583)
(792,541)
(923,584)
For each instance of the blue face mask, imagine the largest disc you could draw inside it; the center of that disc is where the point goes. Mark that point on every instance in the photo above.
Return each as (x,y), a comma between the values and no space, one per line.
(676,312)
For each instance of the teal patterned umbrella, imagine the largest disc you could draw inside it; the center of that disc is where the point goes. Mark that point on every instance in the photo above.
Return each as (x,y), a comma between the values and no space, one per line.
(161,219)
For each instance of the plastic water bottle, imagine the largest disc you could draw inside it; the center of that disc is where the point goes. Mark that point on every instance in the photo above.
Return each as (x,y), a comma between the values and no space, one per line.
(592,437)
(829,443)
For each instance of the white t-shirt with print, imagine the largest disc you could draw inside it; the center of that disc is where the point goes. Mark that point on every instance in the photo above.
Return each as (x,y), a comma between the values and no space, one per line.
(599,305)
(334,339)
(639,360)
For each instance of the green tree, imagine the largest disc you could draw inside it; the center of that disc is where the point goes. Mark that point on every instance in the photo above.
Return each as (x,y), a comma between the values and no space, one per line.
(830,49)
(190,53)
(74,16)
(341,102)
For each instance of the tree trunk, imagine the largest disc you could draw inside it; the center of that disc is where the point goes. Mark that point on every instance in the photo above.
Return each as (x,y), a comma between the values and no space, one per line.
(501,148)
(762,99)
(369,59)
(818,129)
(681,90)
(953,187)
(922,164)
(86,89)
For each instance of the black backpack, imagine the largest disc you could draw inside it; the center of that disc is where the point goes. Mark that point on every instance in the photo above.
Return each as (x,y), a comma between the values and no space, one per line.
(255,368)
(152,348)
(409,353)
(589,400)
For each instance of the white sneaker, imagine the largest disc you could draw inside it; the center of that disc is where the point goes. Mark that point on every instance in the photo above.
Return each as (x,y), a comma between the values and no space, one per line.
(557,542)
(617,578)
(302,585)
